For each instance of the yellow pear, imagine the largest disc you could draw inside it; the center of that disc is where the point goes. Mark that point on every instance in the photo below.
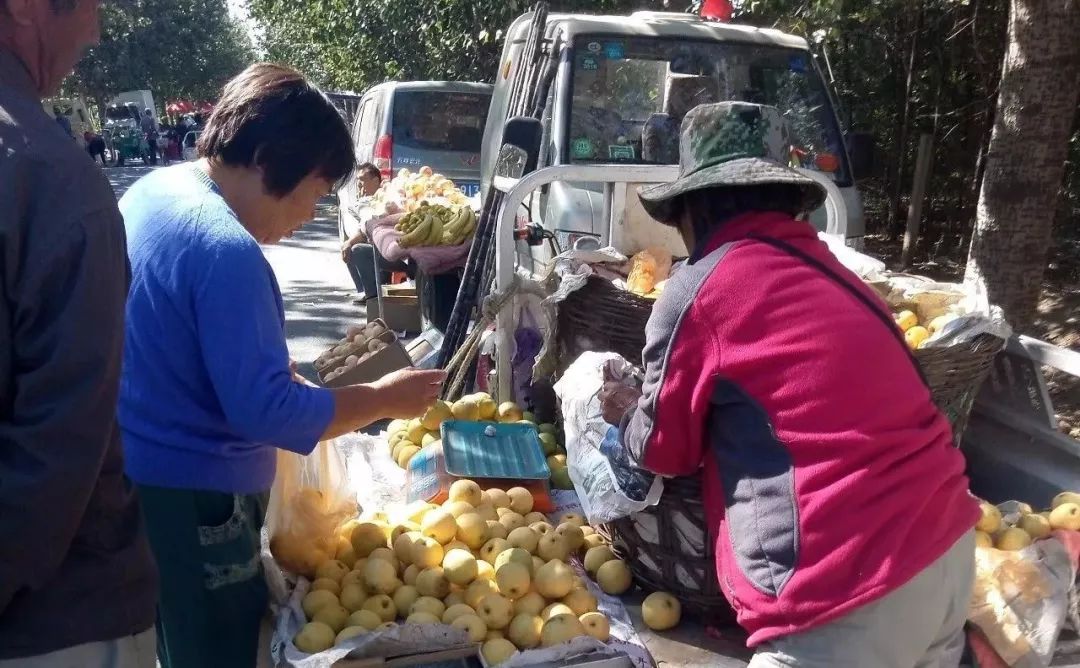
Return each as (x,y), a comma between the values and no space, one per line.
(496,529)
(983,539)
(387,626)
(386,554)
(473,625)
(596,557)
(1066,516)
(484,570)
(990,521)
(560,629)
(580,601)
(1037,526)
(596,625)
(366,537)
(406,454)
(496,610)
(455,611)
(477,590)
(332,569)
(521,500)
(404,597)
(458,508)
(524,631)
(552,546)
(1012,539)
(555,609)
(542,528)
(459,566)
(497,650)
(537,563)
(614,577)
(455,545)
(532,603)
(432,582)
(572,535)
(487,511)
(905,320)
(512,520)
(661,611)
(440,525)
(523,537)
(1065,497)
(428,604)
(314,637)
(534,516)
(497,498)
(415,431)
(353,597)
(472,530)
(349,631)
(577,519)
(508,411)
(435,415)
(353,577)
(365,619)
(454,597)
(493,634)
(593,540)
(513,580)
(345,553)
(466,409)
(488,408)
(380,576)
(327,584)
(403,547)
(554,580)
(334,616)
(409,576)
(467,491)
(314,600)
(422,618)
(514,554)
(492,549)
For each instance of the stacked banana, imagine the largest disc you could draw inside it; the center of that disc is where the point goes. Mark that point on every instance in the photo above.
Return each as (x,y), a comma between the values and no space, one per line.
(436,225)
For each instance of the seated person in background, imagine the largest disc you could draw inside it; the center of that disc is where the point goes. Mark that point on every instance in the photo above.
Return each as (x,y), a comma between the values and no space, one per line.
(660,136)
(831,482)
(359,255)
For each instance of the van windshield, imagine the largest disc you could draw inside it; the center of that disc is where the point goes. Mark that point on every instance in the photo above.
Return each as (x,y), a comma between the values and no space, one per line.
(440,121)
(630,95)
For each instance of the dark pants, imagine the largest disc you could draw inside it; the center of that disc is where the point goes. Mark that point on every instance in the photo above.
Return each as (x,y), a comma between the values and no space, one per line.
(213,594)
(96,148)
(361,266)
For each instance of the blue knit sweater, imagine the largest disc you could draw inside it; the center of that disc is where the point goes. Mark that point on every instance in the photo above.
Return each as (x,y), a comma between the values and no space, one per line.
(206,394)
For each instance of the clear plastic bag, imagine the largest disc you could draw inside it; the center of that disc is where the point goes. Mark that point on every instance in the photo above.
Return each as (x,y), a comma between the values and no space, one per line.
(310,500)
(608,486)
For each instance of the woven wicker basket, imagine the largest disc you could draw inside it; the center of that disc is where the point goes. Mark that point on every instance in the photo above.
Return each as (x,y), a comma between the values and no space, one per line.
(662,544)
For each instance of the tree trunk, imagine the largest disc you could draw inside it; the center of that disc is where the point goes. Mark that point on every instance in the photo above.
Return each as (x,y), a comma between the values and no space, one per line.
(1025,163)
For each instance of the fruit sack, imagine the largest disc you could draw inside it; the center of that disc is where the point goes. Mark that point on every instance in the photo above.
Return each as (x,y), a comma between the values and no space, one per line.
(1021,599)
(947,313)
(430,259)
(608,486)
(310,498)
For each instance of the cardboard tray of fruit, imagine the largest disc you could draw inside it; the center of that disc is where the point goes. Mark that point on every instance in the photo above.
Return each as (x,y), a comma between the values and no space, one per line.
(366,353)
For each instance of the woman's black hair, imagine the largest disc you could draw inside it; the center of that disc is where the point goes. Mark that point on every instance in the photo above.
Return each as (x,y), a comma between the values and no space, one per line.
(270,117)
(712,207)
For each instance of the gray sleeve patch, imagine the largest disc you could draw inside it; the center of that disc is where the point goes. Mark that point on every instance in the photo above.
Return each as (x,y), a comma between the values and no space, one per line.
(660,332)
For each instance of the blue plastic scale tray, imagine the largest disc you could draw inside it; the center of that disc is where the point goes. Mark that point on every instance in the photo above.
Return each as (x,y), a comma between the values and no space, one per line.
(493,450)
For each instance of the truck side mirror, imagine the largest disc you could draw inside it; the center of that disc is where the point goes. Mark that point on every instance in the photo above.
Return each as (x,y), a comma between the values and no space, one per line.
(860,146)
(521,147)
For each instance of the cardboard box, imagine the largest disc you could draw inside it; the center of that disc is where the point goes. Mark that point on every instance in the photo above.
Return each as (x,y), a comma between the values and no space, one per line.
(399,307)
(391,358)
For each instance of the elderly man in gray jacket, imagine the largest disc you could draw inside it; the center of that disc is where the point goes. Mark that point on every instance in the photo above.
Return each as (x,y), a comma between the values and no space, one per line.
(78,585)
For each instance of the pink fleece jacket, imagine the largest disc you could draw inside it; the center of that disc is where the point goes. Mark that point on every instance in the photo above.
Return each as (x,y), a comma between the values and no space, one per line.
(830,477)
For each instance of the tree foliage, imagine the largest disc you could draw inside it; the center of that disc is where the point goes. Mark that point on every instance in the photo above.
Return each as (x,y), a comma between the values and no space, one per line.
(177,49)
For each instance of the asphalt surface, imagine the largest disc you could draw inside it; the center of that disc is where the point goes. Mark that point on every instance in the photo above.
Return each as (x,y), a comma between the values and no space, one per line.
(315,285)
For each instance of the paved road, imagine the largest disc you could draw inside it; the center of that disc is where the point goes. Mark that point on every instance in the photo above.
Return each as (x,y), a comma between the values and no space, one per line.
(315,285)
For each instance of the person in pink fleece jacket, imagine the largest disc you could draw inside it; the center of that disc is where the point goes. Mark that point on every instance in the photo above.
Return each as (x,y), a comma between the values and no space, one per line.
(834,493)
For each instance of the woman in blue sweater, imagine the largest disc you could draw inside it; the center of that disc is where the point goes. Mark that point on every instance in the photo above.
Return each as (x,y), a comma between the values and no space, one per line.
(208,394)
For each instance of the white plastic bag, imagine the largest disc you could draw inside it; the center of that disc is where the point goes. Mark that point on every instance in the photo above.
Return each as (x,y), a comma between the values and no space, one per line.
(608,486)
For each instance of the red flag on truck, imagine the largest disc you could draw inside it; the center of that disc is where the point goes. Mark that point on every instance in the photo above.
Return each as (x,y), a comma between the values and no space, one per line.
(719,10)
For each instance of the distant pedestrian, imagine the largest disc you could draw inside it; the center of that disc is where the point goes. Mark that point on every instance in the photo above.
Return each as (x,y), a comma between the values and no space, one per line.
(63,122)
(95,146)
(78,585)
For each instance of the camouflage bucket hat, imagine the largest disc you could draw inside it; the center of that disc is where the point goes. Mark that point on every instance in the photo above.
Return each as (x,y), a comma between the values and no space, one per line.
(729,144)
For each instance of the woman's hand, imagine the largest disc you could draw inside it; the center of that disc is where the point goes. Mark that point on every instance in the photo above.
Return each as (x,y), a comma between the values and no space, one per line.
(615,399)
(409,392)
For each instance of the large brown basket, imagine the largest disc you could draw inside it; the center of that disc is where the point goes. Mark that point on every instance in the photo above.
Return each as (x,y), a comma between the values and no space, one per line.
(654,542)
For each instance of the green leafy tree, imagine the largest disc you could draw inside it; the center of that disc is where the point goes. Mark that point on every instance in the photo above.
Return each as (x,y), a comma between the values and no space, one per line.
(177,49)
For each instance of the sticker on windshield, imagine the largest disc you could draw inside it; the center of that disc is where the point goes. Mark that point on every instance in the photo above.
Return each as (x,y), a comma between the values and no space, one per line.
(614,51)
(581,148)
(797,64)
(594,47)
(590,64)
(620,152)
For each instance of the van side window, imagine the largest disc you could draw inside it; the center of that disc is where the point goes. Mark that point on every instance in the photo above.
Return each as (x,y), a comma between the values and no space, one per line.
(361,120)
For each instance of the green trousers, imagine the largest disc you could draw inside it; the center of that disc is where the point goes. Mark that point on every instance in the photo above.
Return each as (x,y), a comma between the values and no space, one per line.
(213,594)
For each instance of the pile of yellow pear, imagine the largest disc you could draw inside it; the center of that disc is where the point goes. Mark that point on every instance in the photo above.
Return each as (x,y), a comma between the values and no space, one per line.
(484,562)
(992,531)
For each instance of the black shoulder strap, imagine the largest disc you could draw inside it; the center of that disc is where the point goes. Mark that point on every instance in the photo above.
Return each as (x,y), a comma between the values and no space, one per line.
(844,283)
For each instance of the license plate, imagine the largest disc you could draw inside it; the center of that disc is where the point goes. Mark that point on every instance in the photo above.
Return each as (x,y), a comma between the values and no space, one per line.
(469,189)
